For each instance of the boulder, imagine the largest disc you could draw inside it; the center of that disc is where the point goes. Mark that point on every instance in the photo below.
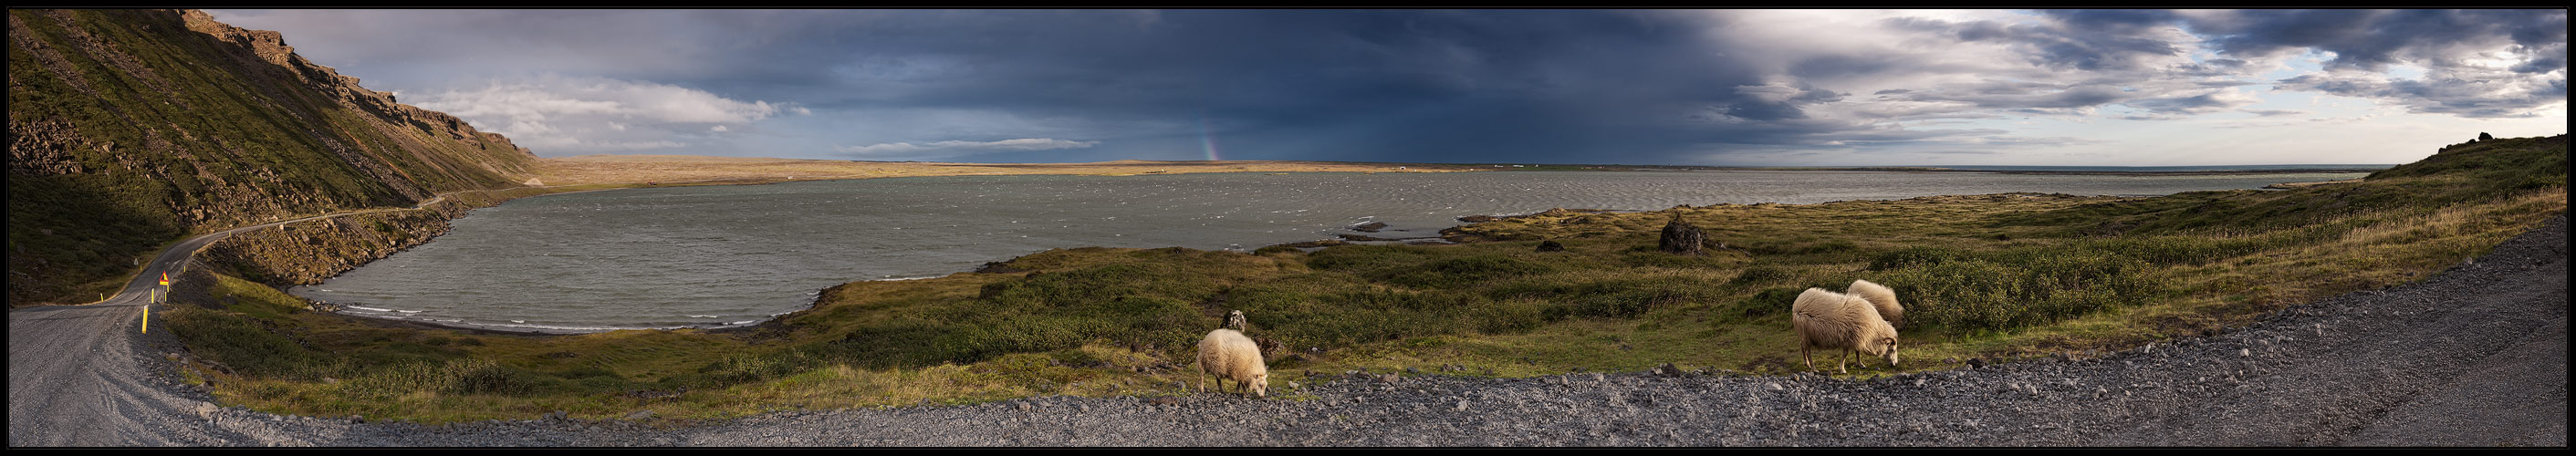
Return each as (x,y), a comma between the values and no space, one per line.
(1681,238)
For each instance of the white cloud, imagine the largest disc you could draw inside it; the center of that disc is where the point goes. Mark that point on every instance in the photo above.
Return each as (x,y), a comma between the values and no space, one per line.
(561,115)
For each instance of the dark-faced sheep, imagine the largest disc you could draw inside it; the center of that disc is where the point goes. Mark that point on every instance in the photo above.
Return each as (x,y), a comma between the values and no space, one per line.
(1881,297)
(1836,321)
(1234,321)
(1228,355)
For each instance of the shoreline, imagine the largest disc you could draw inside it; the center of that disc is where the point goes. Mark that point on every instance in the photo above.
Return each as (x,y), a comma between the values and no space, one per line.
(1909,169)
(1346,235)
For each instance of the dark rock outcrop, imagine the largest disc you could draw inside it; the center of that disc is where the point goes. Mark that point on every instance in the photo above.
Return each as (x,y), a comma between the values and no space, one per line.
(1550,246)
(998,267)
(1681,238)
(1361,237)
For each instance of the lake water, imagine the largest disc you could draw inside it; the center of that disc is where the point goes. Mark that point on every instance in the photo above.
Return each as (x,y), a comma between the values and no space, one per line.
(718,256)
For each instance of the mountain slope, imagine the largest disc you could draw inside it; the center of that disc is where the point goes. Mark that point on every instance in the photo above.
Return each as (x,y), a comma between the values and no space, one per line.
(129,129)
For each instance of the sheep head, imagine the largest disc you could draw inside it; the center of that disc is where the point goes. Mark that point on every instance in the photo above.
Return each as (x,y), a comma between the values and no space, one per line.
(1890,343)
(1260,385)
(1880,341)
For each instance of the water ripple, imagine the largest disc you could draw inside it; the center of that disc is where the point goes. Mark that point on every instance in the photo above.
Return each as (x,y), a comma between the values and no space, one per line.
(678,256)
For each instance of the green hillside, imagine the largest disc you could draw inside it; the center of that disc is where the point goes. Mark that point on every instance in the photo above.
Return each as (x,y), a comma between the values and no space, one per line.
(131,129)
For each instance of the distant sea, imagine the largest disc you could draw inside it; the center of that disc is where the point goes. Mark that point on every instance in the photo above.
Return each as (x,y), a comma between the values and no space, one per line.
(719,256)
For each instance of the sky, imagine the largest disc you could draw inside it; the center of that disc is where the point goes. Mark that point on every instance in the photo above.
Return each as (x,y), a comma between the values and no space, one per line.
(1668,87)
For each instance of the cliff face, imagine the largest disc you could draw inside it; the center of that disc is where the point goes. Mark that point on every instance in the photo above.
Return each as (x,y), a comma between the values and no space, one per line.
(129,129)
(307,253)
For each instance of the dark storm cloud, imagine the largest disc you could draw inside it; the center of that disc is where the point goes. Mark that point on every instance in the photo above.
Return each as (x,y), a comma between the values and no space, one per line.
(2196,104)
(2458,49)
(2477,63)
(2084,41)
(2373,39)
(1427,85)
(1389,85)
(2022,95)
(2481,98)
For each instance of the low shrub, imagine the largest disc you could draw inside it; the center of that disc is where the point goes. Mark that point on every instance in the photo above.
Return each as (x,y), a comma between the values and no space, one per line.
(2021,288)
(1916,256)
(460,376)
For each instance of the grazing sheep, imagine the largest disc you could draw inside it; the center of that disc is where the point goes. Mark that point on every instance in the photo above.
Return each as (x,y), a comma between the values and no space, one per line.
(1829,320)
(1234,320)
(1884,298)
(1226,354)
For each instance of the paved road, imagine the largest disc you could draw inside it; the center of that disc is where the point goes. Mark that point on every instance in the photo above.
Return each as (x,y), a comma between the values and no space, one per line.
(77,375)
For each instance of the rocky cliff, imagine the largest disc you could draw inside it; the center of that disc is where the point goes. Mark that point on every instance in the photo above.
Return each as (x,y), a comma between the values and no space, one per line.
(129,129)
(306,253)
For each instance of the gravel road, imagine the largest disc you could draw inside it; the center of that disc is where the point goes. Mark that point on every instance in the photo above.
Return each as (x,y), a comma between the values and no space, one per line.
(2475,356)
(87,375)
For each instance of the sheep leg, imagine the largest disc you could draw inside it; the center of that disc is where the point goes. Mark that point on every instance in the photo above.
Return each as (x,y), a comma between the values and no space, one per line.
(1810,354)
(1845,365)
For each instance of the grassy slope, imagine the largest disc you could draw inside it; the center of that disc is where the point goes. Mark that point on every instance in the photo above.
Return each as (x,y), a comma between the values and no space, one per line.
(1998,276)
(175,132)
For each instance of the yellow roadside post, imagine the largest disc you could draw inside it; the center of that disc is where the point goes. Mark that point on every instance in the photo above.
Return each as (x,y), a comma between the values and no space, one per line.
(156,299)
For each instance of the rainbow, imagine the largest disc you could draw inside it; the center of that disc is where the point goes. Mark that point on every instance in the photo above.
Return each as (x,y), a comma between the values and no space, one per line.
(1207,140)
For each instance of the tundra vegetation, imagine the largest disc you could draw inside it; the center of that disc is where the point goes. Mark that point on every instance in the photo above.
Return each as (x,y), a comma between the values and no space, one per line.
(1992,277)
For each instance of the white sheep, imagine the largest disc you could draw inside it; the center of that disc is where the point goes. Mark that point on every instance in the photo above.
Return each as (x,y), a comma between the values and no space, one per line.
(1829,320)
(1226,354)
(1234,320)
(1883,298)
